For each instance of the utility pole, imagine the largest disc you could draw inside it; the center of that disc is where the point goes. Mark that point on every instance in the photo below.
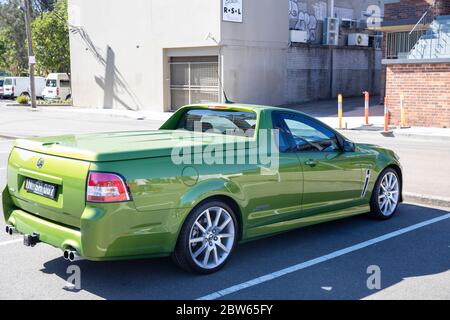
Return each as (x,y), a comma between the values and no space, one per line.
(31,58)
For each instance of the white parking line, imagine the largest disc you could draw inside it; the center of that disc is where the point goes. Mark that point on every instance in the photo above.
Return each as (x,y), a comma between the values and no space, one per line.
(10,242)
(304,265)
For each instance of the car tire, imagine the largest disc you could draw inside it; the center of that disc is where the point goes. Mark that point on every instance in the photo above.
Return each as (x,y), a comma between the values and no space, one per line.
(386,195)
(205,244)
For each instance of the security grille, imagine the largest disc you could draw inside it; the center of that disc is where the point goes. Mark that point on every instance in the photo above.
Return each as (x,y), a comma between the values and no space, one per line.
(194,80)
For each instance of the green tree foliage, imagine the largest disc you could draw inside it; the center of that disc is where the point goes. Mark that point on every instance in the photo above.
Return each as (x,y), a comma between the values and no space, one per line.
(53,36)
(13,52)
(51,39)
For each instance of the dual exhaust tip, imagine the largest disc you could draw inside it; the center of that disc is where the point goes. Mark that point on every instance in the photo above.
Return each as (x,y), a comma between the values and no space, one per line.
(71,255)
(10,230)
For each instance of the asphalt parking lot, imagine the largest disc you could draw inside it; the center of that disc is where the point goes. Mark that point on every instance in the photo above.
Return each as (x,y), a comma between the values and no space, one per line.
(329,261)
(413,257)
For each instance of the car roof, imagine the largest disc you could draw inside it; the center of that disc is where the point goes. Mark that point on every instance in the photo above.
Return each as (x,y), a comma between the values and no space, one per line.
(234,105)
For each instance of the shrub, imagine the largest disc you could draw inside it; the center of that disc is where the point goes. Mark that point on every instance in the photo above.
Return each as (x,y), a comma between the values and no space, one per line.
(23,100)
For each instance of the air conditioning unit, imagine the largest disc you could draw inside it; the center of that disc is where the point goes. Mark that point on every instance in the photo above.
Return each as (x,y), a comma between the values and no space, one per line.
(358,39)
(331,31)
(299,36)
(349,24)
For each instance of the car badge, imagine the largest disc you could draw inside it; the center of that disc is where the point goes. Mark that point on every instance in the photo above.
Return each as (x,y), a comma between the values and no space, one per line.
(40,163)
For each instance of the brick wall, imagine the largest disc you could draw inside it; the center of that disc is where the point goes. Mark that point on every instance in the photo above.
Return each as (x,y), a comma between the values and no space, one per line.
(414,9)
(443,7)
(426,90)
(406,9)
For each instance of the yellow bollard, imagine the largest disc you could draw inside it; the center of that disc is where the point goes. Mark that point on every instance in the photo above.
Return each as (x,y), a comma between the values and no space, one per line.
(340,111)
(386,115)
(403,112)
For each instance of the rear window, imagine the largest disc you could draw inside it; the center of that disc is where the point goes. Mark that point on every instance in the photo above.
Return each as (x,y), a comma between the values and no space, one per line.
(226,122)
(51,83)
(8,82)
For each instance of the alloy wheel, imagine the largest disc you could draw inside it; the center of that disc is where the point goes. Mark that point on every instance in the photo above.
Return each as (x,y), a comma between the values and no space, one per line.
(388,194)
(211,238)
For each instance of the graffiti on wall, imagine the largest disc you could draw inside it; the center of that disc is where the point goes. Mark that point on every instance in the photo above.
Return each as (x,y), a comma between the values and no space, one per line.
(300,19)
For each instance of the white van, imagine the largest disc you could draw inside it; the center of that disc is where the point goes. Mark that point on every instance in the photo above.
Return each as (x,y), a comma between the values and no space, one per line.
(57,87)
(20,86)
(1,87)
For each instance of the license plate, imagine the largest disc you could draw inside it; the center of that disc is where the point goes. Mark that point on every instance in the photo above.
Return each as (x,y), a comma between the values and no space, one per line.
(40,188)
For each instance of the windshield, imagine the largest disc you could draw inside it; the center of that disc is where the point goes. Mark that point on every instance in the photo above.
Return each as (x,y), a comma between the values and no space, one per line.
(8,82)
(51,83)
(237,123)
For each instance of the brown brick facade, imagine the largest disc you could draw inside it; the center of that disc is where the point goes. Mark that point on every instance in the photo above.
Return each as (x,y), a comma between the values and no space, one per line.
(407,9)
(427,93)
(443,7)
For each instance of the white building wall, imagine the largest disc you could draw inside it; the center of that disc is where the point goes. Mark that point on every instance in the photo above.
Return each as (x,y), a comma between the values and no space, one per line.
(254,53)
(117,47)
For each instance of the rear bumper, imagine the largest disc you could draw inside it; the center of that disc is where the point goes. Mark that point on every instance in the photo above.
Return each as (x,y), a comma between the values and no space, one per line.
(50,233)
(104,236)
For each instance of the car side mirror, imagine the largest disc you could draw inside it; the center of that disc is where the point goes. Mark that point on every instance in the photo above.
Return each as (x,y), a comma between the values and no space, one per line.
(348,146)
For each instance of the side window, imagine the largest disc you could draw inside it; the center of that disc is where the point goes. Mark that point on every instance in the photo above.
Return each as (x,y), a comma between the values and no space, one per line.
(285,139)
(309,135)
(64,83)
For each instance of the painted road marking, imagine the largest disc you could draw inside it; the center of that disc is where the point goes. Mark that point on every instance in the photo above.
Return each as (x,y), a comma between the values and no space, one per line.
(304,265)
(10,242)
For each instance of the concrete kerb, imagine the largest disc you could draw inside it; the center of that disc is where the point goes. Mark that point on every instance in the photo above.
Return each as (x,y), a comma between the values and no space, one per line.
(426,200)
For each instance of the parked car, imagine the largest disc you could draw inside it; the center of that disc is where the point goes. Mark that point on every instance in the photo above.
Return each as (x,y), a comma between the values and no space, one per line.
(20,86)
(140,194)
(1,88)
(57,87)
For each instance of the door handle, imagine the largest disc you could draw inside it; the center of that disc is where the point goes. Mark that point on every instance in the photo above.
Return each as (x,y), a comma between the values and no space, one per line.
(311,163)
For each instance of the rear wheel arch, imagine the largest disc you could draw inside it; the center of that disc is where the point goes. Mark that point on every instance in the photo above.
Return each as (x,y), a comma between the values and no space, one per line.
(183,255)
(232,203)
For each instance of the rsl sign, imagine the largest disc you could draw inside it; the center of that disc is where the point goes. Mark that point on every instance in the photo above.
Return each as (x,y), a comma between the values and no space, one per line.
(232,10)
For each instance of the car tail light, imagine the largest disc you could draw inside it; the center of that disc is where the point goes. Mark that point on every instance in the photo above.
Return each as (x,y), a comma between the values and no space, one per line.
(106,187)
(57,91)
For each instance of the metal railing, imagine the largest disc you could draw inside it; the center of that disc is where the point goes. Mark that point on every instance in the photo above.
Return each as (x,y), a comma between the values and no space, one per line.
(399,44)
(435,43)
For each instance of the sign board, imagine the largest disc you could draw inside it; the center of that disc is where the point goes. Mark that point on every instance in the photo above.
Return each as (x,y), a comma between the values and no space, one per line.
(32,60)
(232,10)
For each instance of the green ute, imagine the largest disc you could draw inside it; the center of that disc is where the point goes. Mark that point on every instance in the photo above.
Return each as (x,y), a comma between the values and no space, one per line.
(195,188)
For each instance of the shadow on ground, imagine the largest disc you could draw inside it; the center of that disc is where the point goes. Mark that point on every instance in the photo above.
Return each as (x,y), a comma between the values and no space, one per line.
(419,253)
